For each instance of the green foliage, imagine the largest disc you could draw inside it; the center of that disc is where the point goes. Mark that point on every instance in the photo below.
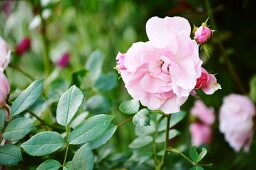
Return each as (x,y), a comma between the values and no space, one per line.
(106,82)
(18,128)
(141,142)
(10,154)
(27,98)
(129,107)
(43,143)
(141,118)
(68,105)
(2,118)
(49,165)
(83,158)
(193,154)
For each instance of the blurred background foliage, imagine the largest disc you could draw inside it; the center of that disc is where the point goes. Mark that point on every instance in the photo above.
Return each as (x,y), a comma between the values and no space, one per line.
(94,31)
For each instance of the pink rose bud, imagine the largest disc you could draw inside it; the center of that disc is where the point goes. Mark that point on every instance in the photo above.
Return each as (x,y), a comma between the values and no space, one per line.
(4,89)
(5,55)
(207,82)
(205,114)
(64,60)
(162,72)
(203,34)
(200,134)
(236,121)
(23,46)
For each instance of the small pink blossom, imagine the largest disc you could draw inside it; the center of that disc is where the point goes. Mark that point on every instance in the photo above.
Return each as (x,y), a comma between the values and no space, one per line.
(236,121)
(64,60)
(5,55)
(205,114)
(200,134)
(162,72)
(23,46)
(207,82)
(203,34)
(4,89)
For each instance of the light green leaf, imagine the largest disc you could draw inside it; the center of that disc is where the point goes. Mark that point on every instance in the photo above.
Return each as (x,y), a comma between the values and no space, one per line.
(27,98)
(90,129)
(202,154)
(141,118)
(18,128)
(193,154)
(106,82)
(130,106)
(43,143)
(103,138)
(83,158)
(172,133)
(68,105)
(2,118)
(140,142)
(49,165)
(94,64)
(197,168)
(10,154)
(176,118)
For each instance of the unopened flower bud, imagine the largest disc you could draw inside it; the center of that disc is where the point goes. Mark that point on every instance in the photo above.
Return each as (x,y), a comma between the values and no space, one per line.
(23,46)
(64,60)
(203,34)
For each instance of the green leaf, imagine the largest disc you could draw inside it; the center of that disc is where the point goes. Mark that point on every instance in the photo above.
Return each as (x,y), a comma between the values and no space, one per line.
(94,64)
(197,168)
(68,105)
(193,154)
(18,128)
(106,82)
(78,77)
(130,106)
(98,104)
(103,138)
(83,158)
(140,142)
(2,118)
(91,129)
(43,143)
(176,118)
(27,98)
(49,165)
(141,118)
(172,133)
(202,154)
(10,154)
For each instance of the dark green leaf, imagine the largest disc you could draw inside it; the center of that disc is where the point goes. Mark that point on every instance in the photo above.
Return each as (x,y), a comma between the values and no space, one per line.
(18,128)
(98,104)
(43,143)
(172,133)
(49,165)
(141,118)
(83,158)
(106,82)
(193,154)
(77,77)
(130,106)
(10,154)
(140,142)
(27,98)
(2,118)
(176,118)
(68,105)
(91,129)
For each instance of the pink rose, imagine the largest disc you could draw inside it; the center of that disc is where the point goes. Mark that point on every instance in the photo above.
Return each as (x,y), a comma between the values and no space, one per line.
(162,72)
(236,121)
(5,55)
(205,114)
(4,89)
(207,82)
(203,34)
(23,46)
(200,134)
(64,60)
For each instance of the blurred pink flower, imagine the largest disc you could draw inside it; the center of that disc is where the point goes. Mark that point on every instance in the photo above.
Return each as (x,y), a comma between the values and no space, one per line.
(203,34)
(200,134)
(162,72)
(236,121)
(23,46)
(64,60)
(205,114)
(5,55)
(4,89)
(207,82)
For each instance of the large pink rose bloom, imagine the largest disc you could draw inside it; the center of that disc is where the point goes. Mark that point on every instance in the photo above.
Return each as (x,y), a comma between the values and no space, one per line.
(204,113)
(4,89)
(5,54)
(200,134)
(236,121)
(162,72)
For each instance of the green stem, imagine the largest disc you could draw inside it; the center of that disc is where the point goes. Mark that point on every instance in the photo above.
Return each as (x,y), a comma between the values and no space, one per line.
(67,146)
(125,121)
(17,68)
(225,55)
(166,142)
